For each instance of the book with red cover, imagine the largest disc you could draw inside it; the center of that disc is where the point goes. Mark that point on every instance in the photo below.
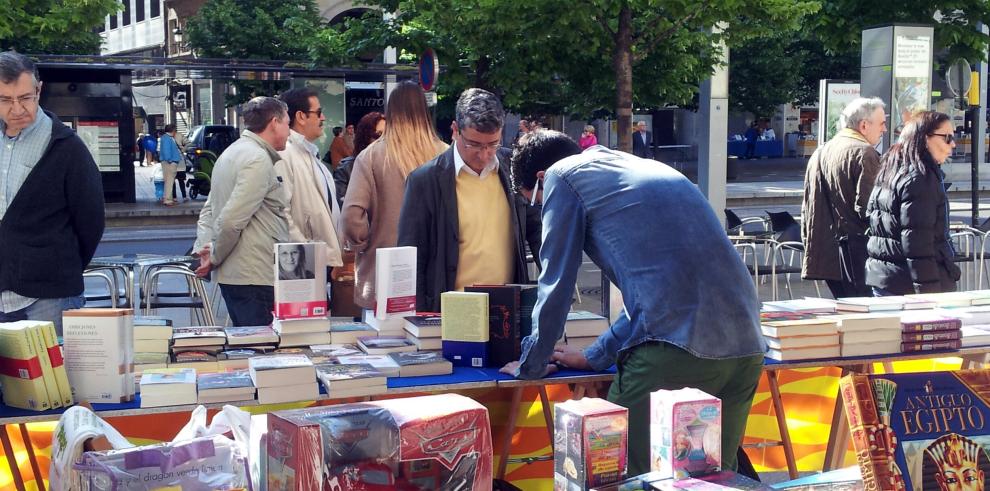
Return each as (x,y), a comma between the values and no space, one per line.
(504,341)
(919,431)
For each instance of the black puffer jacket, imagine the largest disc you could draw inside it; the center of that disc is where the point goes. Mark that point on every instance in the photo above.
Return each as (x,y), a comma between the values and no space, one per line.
(908,249)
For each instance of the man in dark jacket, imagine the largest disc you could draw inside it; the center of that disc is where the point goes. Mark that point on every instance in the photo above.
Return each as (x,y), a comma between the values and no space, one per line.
(642,141)
(51,203)
(837,186)
(461,213)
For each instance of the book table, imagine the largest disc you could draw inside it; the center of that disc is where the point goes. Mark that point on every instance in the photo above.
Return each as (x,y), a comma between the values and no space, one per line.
(461,379)
(838,438)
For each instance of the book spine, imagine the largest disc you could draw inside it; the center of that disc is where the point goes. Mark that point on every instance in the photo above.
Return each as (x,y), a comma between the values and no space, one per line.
(918,337)
(58,363)
(873,449)
(925,326)
(931,346)
(47,373)
(21,377)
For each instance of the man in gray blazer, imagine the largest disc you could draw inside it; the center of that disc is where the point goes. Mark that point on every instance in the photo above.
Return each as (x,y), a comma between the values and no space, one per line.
(244,216)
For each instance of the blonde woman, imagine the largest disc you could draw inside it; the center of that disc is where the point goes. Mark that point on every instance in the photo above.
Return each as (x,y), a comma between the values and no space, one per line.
(370,216)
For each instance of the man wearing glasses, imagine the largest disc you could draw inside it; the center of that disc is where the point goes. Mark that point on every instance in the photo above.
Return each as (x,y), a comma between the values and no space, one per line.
(460,212)
(51,202)
(309,187)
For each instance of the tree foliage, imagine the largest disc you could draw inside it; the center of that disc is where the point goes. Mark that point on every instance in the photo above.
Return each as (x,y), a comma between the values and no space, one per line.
(54,26)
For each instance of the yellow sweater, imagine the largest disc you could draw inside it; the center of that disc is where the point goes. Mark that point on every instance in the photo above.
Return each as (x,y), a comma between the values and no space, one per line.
(485,231)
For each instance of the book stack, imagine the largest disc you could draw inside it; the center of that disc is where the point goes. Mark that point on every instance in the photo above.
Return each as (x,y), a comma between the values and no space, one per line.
(152,344)
(929,331)
(421,363)
(347,331)
(395,290)
(168,387)
(263,337)
(869,334)
(590,438)
(32,372)
(504,305)
(225,387)
(464,328)
(302,332)
(237,358)
(356,380)
(870,304)
(329,353)
(99,354)
(802,306)
(954,299)
(384,345)
(383,363)
(801,339)
(583,328)
(423,329)
(975,335)
(197,347)
(284,378)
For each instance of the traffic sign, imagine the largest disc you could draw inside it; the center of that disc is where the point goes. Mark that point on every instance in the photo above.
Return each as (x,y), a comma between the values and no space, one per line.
(429,70)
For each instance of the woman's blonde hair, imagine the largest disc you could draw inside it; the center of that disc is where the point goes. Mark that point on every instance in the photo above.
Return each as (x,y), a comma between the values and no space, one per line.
(409,138)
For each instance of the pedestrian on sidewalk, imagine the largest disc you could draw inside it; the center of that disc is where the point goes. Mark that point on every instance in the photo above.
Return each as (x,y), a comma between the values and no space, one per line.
(909,246)
(51,202)
(170,156)
(837,186)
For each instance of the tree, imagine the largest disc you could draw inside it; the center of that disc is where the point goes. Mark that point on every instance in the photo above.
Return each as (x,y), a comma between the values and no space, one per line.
(254,29)
(574,57)
(54,26)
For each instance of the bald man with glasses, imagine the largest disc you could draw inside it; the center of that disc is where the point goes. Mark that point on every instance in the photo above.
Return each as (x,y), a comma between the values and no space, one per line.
(51,202)
(461,213)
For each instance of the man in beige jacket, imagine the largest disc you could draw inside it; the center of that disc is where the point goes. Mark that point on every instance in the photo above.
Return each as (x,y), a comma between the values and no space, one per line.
(245,215)
(309,187)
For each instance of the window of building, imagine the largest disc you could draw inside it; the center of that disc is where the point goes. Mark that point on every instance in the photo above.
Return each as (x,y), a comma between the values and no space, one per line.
(126,19)
(113,20)
(139,10)
(156,8)
(102,27)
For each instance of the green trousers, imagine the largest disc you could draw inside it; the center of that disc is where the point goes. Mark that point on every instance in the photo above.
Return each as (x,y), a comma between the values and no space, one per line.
(657,365)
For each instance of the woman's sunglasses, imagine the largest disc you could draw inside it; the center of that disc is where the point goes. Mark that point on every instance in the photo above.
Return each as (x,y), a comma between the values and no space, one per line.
(948,137)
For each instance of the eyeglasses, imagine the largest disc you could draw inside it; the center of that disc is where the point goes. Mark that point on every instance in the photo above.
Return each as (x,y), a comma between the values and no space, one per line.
(536,189)
(25,101)
(318,112)
(481,146)
(948,137)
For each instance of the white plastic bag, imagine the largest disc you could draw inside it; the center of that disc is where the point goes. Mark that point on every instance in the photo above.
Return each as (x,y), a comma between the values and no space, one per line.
(76,425)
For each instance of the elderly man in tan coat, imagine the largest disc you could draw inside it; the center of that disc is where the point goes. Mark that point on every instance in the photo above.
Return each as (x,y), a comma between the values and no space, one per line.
(837,186)
(245,215)
(309,187)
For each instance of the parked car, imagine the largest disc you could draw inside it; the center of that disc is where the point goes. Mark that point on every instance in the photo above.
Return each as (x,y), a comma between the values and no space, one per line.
(213,137)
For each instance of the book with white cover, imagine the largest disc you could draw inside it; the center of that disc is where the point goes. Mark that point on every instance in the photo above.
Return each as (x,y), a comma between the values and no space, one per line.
(802,341)
(395,282)
(968,315)
(425,344)
(152,328)
(275,370)
(300,280)
(198,336)
(390,326)
(975,335)
(309,391)
(855,337)
(99,354)
(812,353)
(803,305)
(946,299)
(303,339)
(889,321)
(874,348)
(800,327)
(868,304)
(168,387)
(299,326)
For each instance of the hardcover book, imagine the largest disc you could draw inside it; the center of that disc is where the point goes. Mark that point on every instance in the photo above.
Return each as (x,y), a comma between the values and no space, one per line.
(950,344)
(504,340)
(395,281)
(528,294)
(920,431)
(590,438)
(924,321)
(300,280)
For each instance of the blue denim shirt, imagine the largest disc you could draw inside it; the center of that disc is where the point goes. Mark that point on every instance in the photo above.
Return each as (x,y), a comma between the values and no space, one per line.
(169,151)
(654,235)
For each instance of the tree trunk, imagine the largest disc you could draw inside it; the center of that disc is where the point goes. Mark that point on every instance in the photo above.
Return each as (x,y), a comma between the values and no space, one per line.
(622,65)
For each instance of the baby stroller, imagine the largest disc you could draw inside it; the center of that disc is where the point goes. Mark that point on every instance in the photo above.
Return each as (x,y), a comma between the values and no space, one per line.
(201,164)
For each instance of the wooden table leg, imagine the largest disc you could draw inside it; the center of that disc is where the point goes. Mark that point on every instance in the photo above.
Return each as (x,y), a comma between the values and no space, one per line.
(973,361)
(838,437)
(8,450)
(510,428)
(31,458)
(785,435)
(547,414)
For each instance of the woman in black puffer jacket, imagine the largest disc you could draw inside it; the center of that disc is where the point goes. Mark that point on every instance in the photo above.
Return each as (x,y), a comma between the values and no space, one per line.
(909,249)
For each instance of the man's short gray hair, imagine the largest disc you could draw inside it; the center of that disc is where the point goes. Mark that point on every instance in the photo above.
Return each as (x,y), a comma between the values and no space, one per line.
(481,110)
(857,111)
(13,64)
(258,112)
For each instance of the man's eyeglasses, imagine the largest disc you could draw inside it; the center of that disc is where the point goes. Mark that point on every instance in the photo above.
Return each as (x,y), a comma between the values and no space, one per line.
(25,101)
(318,112)
(480,146)
(948,137)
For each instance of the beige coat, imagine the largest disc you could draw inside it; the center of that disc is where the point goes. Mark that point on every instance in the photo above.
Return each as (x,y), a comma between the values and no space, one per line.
(311,217)
(850,166)
(370,216)
(245,214)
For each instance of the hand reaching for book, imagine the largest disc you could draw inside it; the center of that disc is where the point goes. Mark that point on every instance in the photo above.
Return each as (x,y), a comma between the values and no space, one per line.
(570,357)
(513,366)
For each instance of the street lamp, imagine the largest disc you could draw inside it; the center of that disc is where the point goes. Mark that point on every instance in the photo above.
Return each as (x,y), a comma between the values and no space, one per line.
(177,38)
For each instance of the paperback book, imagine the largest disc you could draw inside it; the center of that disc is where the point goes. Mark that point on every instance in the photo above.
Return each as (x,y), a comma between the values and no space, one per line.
(419,363)
(395,282)
(300,280)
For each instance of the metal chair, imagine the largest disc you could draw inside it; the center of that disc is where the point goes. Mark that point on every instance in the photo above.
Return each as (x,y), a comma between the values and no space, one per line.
(968,245)
(110,281)
(194,297)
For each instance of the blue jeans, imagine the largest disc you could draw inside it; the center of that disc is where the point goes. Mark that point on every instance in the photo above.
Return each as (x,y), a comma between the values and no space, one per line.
(249,305)
(45,309)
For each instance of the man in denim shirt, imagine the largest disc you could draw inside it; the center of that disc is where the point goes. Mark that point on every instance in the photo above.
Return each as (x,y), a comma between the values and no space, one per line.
(691,316)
